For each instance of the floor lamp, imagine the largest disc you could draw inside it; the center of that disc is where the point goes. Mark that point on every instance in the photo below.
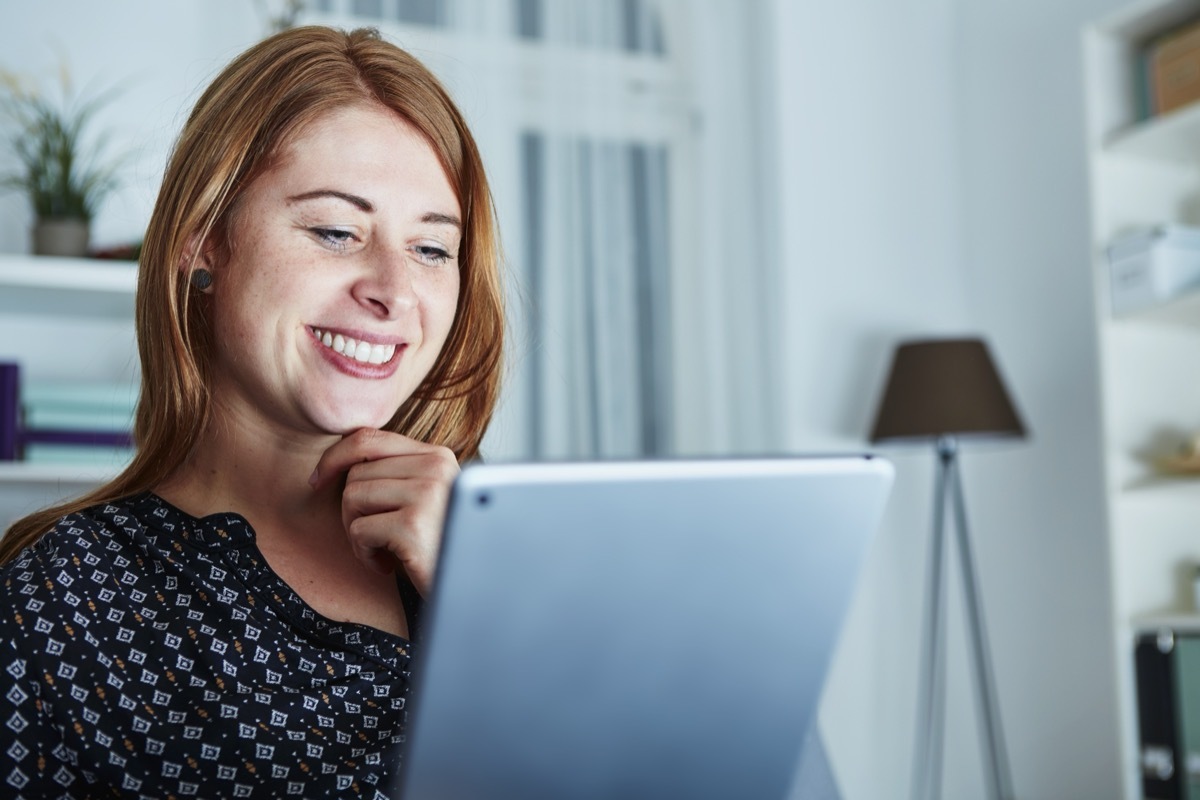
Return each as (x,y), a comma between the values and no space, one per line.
(940,390)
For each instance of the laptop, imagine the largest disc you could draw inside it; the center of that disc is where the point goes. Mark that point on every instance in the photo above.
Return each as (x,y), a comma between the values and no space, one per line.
(655,629)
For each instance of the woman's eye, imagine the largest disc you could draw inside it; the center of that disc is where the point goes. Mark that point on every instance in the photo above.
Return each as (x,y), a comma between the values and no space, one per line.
(334,238)
(431,254)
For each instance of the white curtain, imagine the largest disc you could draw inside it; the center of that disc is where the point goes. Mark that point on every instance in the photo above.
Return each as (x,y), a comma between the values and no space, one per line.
(598,274)
(620,137)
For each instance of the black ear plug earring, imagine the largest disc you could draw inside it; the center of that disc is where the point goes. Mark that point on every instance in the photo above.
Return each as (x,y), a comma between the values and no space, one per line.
(201,279)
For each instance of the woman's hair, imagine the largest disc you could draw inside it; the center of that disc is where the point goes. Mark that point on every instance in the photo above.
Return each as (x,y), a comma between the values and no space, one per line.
(241,122)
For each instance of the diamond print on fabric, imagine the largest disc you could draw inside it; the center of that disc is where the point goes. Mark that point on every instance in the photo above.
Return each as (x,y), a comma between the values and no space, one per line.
(150,654)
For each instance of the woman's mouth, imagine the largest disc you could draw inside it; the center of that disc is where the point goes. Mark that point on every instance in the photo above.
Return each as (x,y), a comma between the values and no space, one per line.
(361,351)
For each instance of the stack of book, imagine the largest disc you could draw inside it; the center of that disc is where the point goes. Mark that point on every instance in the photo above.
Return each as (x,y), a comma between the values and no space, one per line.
(1169,71)
(65,422)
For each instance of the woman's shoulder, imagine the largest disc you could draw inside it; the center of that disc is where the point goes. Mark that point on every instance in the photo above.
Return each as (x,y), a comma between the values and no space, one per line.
(75,568)
(116,552)
(81,553)
(78,539)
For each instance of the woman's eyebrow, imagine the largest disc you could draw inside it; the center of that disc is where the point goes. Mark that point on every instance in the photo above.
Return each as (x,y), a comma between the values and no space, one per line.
(436,218)
(431,218)
(353,199)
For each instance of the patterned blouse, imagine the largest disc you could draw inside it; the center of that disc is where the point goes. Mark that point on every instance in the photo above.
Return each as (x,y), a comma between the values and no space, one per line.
(145,653)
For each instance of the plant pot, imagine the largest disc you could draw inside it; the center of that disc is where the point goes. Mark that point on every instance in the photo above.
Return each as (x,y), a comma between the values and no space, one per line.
(60,237)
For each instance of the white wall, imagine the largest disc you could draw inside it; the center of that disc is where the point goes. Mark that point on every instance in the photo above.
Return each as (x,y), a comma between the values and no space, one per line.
(928,179)
(156,55)
(1028,264)
(932,182)
(865,130)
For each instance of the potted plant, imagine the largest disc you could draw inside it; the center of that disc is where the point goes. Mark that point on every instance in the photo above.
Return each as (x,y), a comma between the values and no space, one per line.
(62,168)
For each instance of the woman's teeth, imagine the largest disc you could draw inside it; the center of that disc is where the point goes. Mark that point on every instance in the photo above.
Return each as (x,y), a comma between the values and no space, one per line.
(363,352)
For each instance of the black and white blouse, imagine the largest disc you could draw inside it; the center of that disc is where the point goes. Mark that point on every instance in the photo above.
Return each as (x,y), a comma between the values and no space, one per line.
(145,653)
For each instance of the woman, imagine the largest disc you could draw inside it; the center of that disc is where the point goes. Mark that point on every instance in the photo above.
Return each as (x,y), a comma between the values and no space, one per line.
(319,325)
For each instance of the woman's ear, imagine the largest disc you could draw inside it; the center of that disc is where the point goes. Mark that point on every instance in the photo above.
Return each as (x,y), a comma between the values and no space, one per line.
(196,264)
(191,251)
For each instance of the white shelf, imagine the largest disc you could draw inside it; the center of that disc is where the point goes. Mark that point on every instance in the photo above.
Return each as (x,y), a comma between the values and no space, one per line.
(79,274)
(1181,622)
(20,472)
(1183,310)
(1171,137)
(1163,483)
(91,287)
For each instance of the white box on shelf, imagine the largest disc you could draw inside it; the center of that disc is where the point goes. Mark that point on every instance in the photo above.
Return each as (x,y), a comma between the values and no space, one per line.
(1152,266)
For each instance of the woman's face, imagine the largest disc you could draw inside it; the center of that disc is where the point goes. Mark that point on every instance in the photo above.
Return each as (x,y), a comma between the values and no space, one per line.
(342,278)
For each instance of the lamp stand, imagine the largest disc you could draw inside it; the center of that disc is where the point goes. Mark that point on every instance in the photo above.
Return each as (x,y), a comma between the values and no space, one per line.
(927,765)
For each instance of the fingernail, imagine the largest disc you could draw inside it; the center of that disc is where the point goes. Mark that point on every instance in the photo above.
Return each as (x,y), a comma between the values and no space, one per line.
(312,479)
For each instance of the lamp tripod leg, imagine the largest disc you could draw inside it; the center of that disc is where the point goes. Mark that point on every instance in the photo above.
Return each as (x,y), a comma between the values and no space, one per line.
(927,760)
(997,758)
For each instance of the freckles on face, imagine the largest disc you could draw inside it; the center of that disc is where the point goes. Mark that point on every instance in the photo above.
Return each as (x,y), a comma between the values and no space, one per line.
(342,280)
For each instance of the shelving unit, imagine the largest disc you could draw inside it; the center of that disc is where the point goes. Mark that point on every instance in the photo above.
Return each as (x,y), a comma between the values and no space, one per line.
(1143,173)
(39,285)
(63,319)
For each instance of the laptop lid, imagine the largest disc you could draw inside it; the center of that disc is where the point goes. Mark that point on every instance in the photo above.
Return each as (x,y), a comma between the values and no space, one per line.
(641,629)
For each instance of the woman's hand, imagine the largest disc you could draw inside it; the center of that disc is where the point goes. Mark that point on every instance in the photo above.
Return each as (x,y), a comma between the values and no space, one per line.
(394,502)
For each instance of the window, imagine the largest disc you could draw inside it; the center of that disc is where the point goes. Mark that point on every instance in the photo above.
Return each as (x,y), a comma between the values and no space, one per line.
(589,129)
(629,25)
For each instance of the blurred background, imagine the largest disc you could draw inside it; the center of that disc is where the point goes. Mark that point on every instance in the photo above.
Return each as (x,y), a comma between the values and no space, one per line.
(720,217)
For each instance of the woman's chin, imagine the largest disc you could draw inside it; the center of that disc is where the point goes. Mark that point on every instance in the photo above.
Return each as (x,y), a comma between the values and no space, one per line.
(347,424)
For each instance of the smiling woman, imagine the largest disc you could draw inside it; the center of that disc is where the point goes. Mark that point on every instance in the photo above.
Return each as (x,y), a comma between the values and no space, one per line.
(319,325)
(350,234)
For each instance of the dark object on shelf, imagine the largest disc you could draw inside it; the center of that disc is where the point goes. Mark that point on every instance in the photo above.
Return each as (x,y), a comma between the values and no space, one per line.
(10,409)
(29,436)
(1158,746)
(941,390)
(122,252)
(15,436)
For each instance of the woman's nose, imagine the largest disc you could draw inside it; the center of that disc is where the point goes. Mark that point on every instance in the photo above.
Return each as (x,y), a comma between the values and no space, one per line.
(386,285)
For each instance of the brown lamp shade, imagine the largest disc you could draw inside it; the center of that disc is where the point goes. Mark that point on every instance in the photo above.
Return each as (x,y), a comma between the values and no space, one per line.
(944,387)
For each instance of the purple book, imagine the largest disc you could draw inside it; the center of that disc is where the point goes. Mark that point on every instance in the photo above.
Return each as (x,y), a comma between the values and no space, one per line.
(10,410)
(14,436)
(52,436)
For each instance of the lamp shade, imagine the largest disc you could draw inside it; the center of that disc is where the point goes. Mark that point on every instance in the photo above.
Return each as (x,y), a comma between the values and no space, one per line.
(944,387)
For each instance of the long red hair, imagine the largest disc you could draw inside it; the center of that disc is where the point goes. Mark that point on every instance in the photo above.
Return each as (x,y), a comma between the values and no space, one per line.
(241,121)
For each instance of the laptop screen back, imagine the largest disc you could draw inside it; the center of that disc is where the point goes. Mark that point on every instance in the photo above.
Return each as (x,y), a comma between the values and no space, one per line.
(648,629)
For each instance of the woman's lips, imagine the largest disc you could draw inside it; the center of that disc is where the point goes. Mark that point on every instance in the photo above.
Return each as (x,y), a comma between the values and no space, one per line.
(363,352)
(357,355)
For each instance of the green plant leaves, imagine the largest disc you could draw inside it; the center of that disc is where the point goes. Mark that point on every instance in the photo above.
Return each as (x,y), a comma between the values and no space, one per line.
(64,177)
